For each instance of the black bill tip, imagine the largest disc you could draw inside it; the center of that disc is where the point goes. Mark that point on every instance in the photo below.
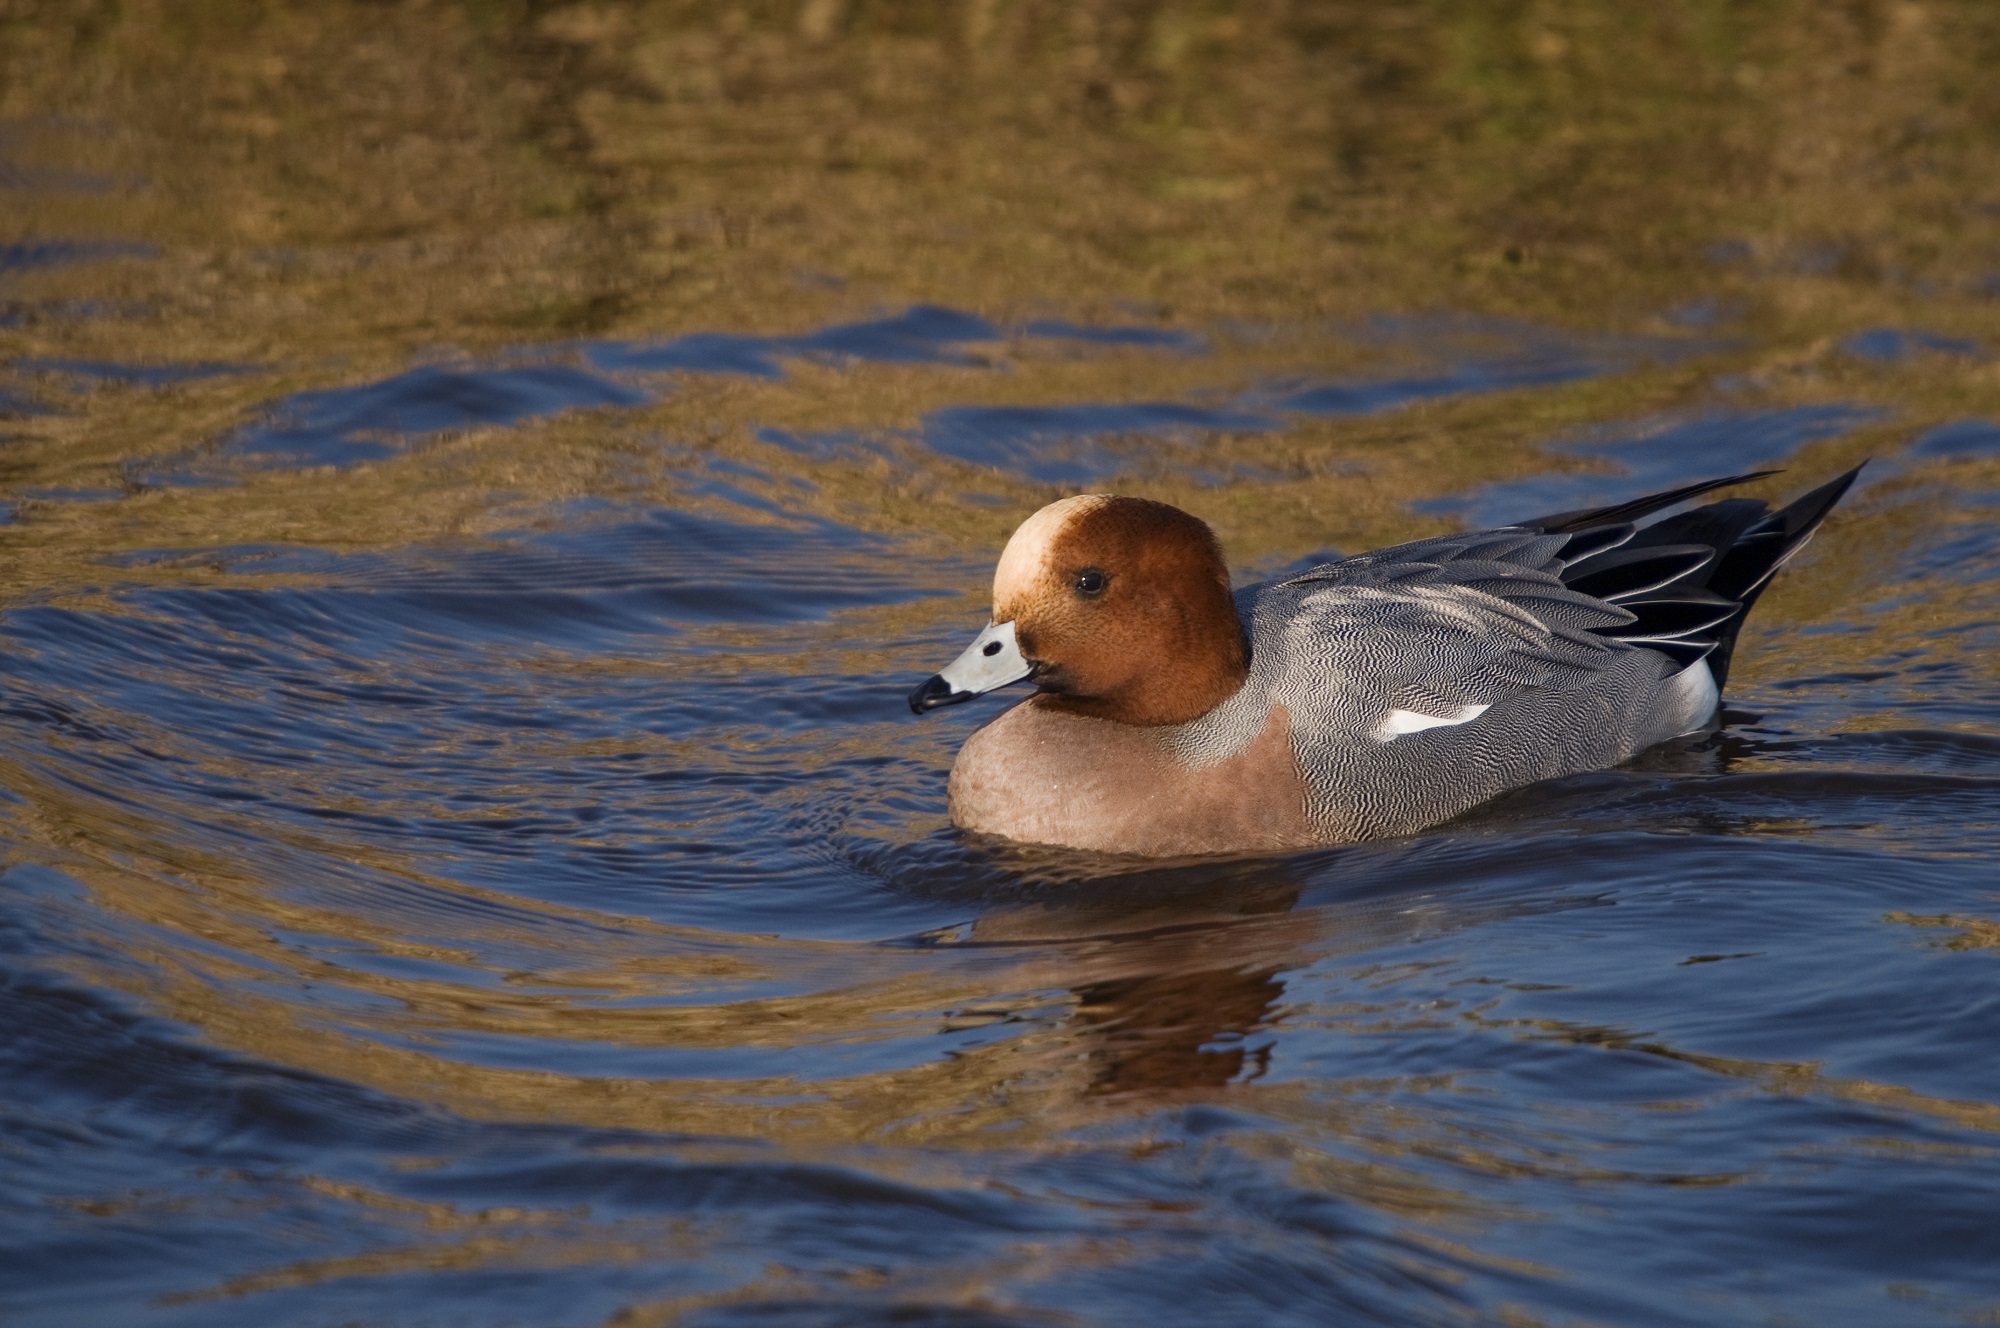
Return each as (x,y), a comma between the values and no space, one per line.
(933,692)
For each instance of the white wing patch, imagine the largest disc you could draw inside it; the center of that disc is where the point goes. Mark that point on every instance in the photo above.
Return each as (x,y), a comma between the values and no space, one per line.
(1401,723)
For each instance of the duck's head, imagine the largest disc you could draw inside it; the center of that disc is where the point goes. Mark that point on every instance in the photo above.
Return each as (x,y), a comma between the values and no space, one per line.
(1117,608)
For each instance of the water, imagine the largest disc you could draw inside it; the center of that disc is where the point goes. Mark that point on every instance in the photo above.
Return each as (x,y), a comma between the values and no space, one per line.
(464,855)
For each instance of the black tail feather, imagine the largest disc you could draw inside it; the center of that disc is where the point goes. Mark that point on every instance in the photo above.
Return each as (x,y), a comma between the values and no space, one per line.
(1627,572)
(1749,564)
(1589,543)
(1585,518)
(1751,561)
(1718,525)
(1689,579)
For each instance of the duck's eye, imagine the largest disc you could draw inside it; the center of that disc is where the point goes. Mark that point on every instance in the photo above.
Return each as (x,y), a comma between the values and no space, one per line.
(1090,582)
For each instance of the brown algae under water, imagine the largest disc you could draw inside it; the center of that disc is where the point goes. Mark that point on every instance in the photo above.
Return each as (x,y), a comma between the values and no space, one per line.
(481,477)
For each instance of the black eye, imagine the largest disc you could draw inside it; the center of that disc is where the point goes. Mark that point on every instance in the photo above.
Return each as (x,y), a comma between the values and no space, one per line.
(1090,582)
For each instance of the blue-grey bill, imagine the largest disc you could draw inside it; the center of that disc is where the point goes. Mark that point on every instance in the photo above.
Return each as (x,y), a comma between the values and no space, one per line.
(993,660)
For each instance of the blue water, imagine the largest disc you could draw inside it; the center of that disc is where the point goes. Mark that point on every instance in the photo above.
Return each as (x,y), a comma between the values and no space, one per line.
(556,920)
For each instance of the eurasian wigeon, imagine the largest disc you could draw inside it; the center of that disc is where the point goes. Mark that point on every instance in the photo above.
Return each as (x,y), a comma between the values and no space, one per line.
(1367,697)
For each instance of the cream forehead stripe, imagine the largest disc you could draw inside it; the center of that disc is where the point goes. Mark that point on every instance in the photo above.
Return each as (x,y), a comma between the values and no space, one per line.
(1026,558)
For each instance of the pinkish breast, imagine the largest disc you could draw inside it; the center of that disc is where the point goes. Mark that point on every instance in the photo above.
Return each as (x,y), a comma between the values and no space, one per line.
(1041,776)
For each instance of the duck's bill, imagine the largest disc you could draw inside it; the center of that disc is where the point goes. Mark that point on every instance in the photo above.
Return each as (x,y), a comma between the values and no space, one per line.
(992,660)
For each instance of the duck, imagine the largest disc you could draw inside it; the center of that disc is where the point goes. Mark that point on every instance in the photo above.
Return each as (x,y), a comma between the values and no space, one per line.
(1363,698)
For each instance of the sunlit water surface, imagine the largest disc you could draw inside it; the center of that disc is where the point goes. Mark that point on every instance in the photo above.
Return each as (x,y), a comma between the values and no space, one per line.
(468,860)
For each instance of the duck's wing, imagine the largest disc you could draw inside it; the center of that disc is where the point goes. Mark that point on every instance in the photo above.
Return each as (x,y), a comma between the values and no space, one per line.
(1436,632)
(1680,587)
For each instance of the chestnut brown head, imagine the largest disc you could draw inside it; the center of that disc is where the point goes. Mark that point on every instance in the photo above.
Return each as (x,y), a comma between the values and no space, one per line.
(1117,608)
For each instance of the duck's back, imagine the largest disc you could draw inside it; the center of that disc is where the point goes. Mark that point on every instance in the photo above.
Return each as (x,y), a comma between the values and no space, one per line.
(1424,679)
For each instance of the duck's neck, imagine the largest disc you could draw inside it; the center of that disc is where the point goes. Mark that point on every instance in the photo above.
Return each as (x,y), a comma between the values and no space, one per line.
(1202,671)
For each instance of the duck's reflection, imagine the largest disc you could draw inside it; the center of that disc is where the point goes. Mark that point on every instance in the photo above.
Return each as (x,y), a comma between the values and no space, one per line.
(1172,978)
(1176,1030)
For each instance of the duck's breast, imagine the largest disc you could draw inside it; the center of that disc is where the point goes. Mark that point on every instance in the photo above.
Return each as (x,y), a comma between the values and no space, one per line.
(1041,776)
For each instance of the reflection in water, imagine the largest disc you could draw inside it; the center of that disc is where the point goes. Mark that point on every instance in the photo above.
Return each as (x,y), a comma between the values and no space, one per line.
(1158,1032)
(1191,977)
(478,480)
